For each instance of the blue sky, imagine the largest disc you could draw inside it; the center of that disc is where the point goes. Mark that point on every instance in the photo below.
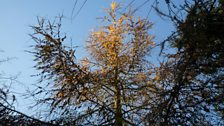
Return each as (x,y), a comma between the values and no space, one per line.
(18,15)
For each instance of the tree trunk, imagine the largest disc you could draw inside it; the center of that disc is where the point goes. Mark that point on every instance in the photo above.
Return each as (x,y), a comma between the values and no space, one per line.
(118,109)
(118,106)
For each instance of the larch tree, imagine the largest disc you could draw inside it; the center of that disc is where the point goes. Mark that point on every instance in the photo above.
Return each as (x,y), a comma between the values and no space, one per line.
(114,86)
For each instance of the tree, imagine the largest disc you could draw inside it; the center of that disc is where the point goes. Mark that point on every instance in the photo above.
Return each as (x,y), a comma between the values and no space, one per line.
(113,86)
(194,74)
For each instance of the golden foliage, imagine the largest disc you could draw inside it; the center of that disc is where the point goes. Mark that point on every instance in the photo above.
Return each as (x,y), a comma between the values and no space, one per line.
(113,6)
(60,95)
(123,40)
(117,65)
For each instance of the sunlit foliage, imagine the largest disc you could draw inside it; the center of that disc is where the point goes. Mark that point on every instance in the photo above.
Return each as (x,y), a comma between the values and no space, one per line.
(111,87)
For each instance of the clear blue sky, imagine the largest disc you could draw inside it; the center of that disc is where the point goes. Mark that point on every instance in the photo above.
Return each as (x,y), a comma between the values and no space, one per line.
(18,15)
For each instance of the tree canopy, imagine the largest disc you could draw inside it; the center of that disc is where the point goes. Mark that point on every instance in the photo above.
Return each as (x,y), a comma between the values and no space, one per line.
(111,87)
(117,83)
(194,74)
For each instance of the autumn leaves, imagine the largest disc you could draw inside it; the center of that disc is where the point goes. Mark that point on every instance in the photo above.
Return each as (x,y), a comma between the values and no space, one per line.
(111,84)
(121,40)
